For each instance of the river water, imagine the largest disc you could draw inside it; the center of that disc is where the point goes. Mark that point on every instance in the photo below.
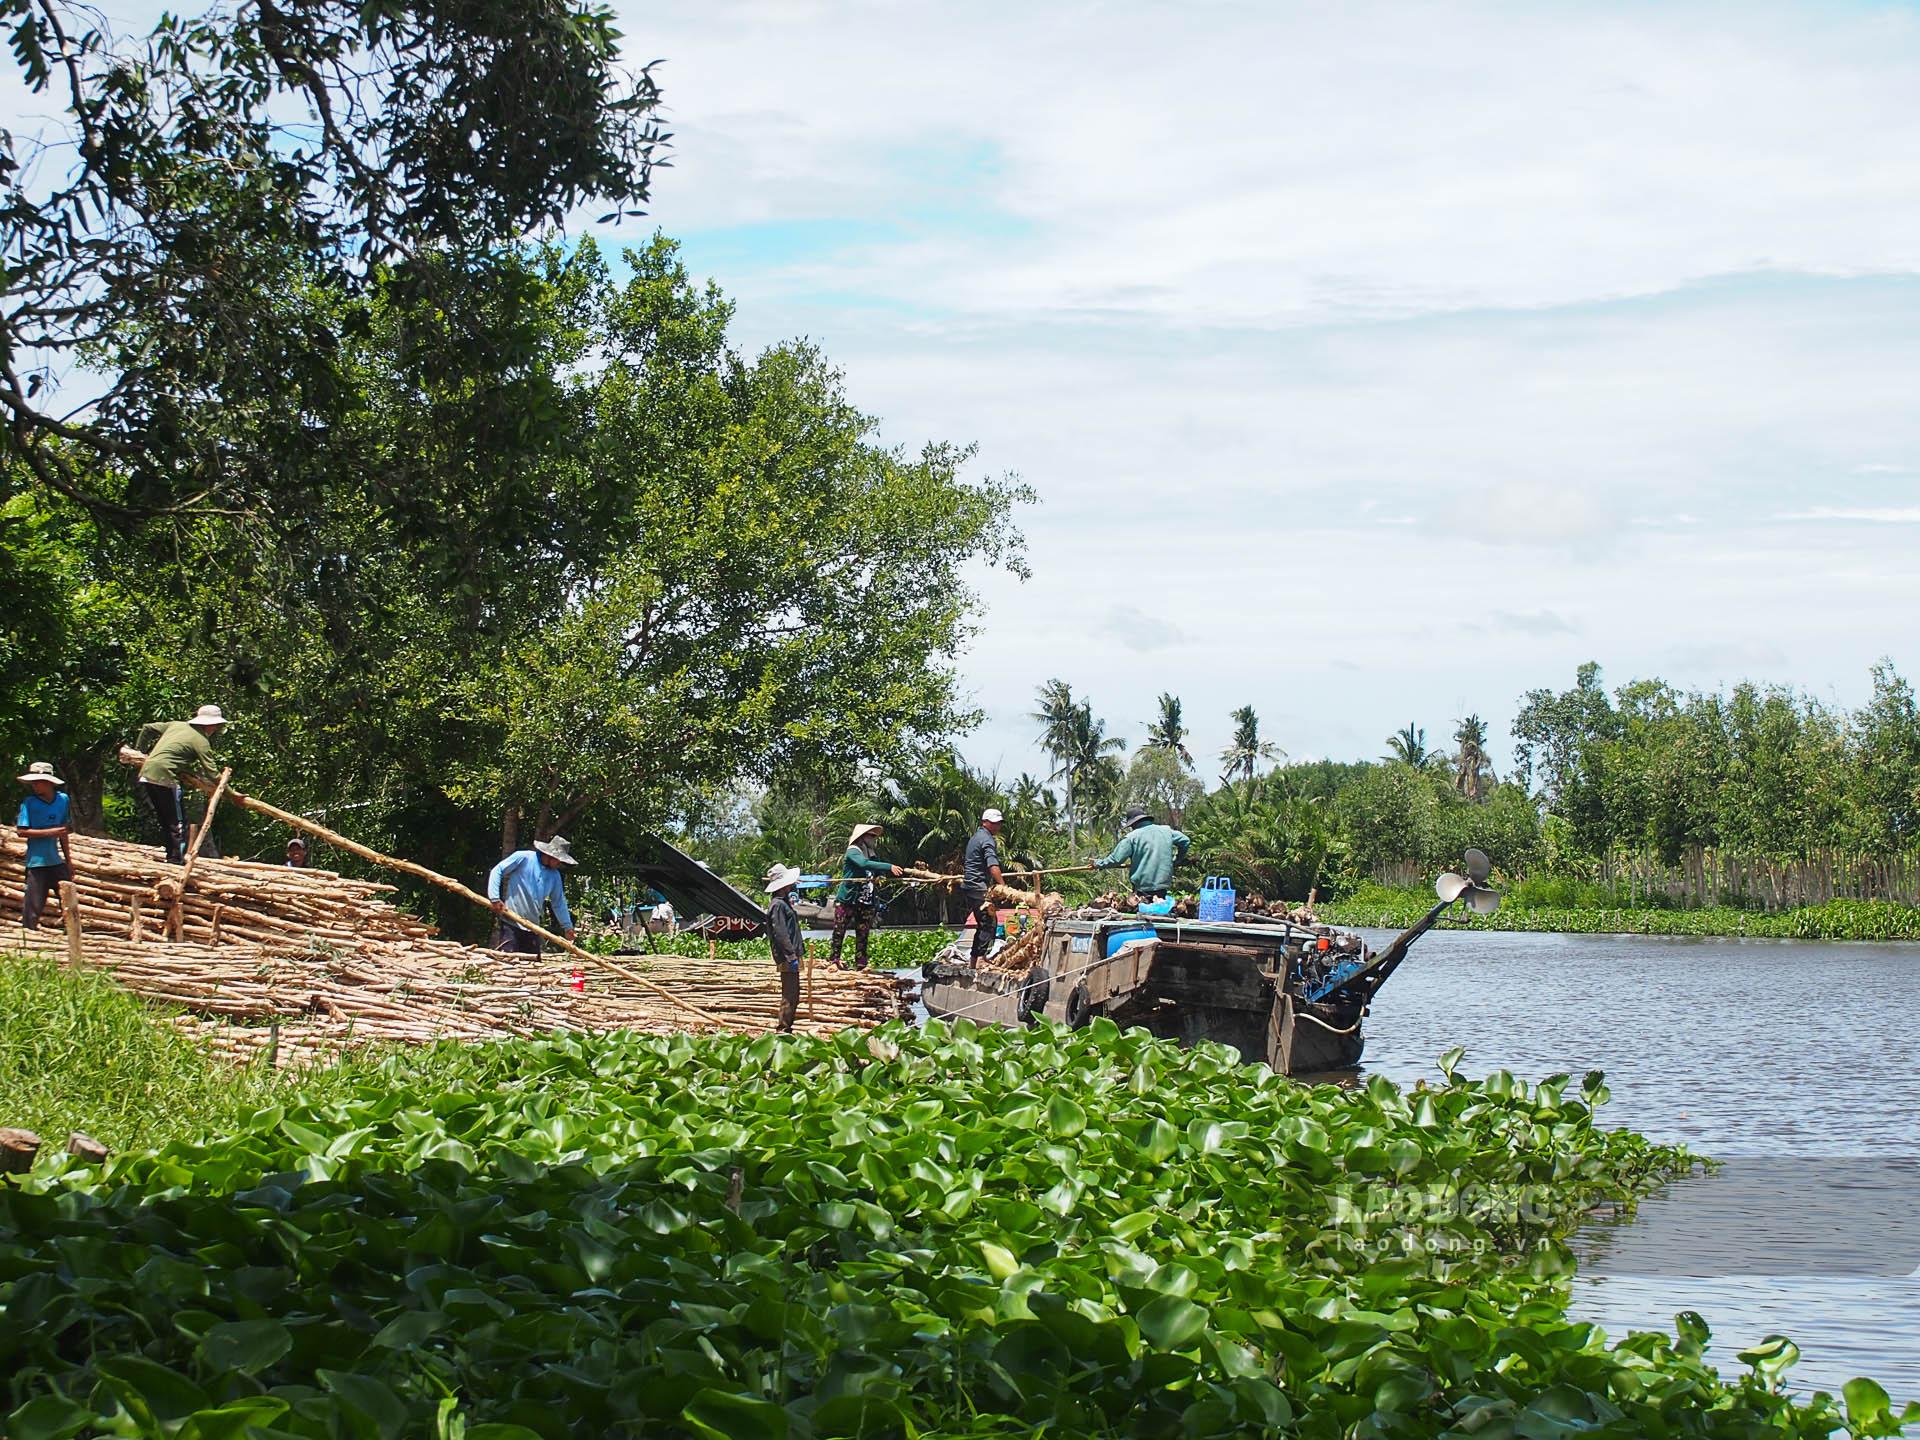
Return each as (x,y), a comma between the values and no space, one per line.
(1795,1062)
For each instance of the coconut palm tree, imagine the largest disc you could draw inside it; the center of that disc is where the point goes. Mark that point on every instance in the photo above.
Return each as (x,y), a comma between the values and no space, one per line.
(1168,732)
(1409,747)
(1097,774)
(1058,712)
(1247,749)
(1473,771)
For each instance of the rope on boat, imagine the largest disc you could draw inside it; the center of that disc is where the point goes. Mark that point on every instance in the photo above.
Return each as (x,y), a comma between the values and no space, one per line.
(1300,1014)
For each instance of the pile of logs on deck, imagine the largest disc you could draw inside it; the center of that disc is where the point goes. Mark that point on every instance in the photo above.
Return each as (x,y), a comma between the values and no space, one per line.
(300,964)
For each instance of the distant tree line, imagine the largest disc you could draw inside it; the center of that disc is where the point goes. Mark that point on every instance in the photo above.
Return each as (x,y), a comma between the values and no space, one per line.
(1604,784)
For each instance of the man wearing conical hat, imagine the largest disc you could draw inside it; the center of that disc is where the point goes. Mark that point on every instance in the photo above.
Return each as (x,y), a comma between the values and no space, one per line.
(43,825)
(785,940)
(522,886)
(855,903)
(177,749)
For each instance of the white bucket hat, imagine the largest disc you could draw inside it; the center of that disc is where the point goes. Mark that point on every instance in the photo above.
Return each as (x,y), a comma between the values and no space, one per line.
(782,877)
(208,715)
(860,832)
(41,770)
(558,848)
(993,815)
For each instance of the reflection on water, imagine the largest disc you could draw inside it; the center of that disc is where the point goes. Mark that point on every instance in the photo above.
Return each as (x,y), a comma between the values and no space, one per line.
(1769,1050)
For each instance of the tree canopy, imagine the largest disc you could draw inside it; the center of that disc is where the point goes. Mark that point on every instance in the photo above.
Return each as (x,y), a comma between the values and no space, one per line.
(166,230)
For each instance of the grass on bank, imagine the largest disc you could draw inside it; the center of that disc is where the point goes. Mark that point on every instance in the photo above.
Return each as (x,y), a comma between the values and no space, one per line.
(1392,909)
(78,1052)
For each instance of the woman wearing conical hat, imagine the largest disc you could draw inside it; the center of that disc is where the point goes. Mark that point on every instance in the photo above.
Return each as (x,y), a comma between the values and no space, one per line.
(855,904)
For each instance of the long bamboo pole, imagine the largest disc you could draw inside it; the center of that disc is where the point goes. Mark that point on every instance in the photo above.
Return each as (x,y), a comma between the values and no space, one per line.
(130,756)
(176,910)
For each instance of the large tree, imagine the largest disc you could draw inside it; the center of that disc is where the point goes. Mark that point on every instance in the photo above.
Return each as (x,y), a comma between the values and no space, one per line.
(164,228)
(675,569)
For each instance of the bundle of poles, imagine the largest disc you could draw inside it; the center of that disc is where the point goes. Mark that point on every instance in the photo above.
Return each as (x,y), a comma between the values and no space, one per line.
(300,963)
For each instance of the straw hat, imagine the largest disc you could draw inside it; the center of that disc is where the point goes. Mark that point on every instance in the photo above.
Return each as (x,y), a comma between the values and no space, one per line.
(207,716)
(557,848)
(41,770)
(782,877)
(860,832)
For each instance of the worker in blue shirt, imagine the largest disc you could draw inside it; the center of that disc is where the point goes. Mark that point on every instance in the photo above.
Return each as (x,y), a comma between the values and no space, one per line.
(43,825)
(1149,852)
(521,887)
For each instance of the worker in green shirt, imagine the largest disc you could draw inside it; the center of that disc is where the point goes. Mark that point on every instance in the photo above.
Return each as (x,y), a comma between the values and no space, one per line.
(1149,852)
(855,903)
(176,751)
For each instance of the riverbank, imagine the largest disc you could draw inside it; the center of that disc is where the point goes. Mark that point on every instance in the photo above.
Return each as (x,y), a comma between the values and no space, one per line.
(1379,908)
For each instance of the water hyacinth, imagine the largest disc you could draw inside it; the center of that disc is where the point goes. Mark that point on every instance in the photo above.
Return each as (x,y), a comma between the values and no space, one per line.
(949,1231)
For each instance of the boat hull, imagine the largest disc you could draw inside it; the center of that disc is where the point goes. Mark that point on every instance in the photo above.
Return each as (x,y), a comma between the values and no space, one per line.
(1234,985)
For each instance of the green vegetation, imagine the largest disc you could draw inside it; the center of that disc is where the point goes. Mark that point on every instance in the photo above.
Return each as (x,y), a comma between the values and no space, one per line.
(1651,802)
(952,1232)
(78,1052)
(1395,909)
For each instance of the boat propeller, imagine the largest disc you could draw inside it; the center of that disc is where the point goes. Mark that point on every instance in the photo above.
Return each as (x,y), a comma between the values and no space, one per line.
(1471,887)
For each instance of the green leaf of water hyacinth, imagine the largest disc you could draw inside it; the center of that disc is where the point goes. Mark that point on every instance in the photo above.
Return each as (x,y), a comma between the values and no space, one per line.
(1868,1404)
(717,1415)
(1772,1357)
(1172,1323)
(1090,1233)
(245,1345)
(49,1417)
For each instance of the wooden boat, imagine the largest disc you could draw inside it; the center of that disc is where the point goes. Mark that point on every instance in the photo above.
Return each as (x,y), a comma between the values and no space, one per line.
(1290,995)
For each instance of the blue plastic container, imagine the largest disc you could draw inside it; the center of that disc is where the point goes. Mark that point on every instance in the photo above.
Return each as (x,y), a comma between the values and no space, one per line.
(1216,899)
(1127,935)
(1162,906)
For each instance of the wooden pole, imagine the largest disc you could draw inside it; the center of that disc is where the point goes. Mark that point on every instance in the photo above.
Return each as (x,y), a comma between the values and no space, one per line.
(176,906)
(17,1149)
(206,826)
(70,917)
(130,756)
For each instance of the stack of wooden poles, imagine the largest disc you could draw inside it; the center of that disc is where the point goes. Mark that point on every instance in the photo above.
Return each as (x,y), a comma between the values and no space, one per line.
(299,964)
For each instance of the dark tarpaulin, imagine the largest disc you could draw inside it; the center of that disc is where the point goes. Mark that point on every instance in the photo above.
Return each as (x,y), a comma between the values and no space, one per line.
(692,889)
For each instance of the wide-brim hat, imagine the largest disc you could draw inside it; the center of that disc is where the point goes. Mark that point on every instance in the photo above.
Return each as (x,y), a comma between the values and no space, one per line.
(208,715)
(1135,817)
(41,770)
(860,832)
(991,816)
(557,848)
(782,877)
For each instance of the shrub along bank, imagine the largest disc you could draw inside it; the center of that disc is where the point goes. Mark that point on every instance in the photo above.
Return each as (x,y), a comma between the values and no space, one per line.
(956,1231)
(1836,920)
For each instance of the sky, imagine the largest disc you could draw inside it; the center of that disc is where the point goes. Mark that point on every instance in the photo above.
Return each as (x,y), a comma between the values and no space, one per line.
(1373,363)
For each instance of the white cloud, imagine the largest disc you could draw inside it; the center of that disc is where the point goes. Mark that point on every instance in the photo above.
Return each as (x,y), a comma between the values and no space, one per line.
(1860,514)
(1277,163)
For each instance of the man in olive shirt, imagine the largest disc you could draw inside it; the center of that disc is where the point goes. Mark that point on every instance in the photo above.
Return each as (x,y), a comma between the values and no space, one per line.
(979,869)
(177,749)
